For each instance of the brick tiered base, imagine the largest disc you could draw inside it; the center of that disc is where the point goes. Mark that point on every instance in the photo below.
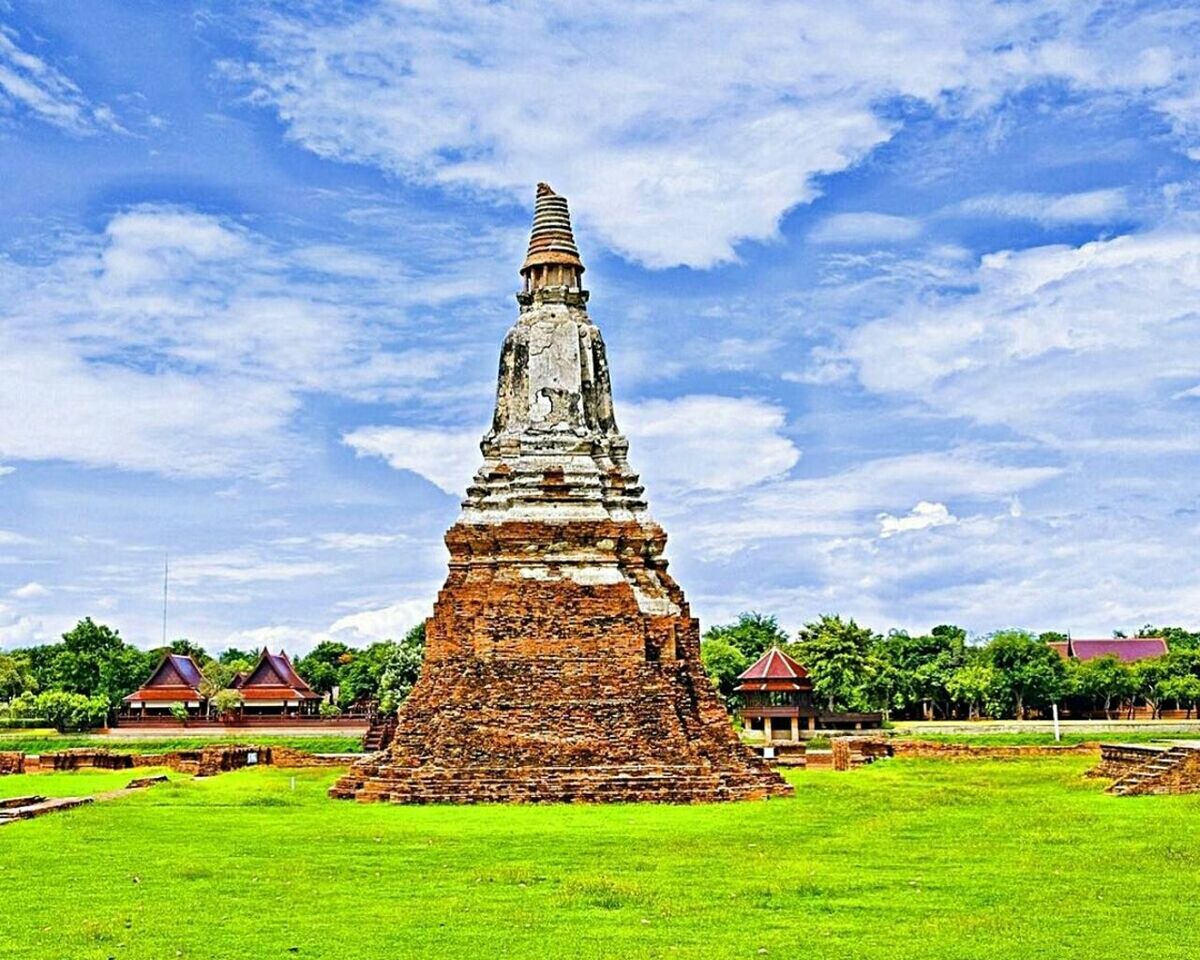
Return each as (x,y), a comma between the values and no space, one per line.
(571,677)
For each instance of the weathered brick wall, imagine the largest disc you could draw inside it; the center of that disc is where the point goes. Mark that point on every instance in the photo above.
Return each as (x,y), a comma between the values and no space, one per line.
(964,751)
(11,762)
(1116,760)
(546,680)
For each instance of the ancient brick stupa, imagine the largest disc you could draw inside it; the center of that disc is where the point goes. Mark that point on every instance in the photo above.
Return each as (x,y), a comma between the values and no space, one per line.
(561,661)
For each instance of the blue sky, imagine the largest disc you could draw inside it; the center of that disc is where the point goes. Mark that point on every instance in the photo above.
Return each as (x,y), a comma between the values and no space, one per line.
(902,302)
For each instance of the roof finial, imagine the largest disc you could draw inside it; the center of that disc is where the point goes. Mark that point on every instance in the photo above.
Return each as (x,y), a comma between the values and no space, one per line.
(552,259)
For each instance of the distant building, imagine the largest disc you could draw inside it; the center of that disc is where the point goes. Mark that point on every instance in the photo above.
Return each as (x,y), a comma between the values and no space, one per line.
(777,702)
(1125,649)
(176,679)
(272,687)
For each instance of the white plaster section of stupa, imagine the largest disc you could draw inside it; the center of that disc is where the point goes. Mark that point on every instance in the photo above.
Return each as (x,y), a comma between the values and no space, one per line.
(554,452)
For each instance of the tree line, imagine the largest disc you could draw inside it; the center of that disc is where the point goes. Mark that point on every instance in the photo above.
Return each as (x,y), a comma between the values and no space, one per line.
(944,674)
(80,681)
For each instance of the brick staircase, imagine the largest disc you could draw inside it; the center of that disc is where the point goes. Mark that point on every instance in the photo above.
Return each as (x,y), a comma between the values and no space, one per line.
(1165,772)
(380,734)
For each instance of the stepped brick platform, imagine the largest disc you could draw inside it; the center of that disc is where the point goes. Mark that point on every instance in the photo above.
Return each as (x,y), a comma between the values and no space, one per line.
(1138,770)
(561,661)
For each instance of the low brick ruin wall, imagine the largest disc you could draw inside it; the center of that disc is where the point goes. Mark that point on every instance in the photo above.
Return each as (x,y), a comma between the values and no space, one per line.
(966,751)
(287,757)
(11,762)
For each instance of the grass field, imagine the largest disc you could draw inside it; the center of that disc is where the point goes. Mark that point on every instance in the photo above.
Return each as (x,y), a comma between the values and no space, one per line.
(46,743)
(905,859)
(1069,738)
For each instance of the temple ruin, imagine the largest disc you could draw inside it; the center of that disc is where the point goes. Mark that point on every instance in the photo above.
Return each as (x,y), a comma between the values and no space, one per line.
(561,661)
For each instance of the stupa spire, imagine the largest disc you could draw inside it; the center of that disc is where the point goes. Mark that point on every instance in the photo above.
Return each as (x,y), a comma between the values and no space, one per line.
(552,259)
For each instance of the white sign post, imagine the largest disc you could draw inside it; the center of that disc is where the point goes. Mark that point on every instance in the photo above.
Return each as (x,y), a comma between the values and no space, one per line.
(1057,735)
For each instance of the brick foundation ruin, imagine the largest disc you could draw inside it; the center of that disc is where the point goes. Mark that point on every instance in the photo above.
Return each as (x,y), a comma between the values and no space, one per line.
(561,661)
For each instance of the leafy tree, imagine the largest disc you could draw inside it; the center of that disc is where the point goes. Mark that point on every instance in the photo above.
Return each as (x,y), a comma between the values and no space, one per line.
(1148,676)
(972,683)
(1184,689)
(322,667)
(922,666)
(216,677)
(837,655)
(15,676)
(93,660)
(1103,680)
(226,702)
(752,633)
(179,712)
(1029,674)
(71,711)
(401,669)
(238,659)
(184,648)
(723,662)
(1178,638)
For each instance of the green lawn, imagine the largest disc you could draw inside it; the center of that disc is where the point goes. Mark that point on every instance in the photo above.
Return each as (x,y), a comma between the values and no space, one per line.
(76,784)
(905,859)
(42,743)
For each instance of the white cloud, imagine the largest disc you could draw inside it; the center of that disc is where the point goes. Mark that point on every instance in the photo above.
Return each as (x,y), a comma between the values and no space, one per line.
(446,458)
(923,516)
(181,343)
(1095,206)
(707,442)
(850,229)
(29,83)
(19,630)
(243,566)
(670,157)
(390,622)
(29,591)
(10,538)
(1067,345)
(358,541)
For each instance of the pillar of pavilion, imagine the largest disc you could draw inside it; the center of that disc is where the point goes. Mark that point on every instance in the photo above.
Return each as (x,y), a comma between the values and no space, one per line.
(561,662)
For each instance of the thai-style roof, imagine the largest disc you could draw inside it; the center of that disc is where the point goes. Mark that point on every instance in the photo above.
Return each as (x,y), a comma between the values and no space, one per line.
(1061,647)
(273,678)
(175,678)
(774,670)
(552,239)
(1126,649)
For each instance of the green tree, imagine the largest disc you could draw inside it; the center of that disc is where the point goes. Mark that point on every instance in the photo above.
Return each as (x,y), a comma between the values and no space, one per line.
(1029,674)
(1178,638)
(752,633)
(1104,680)
(226,702)
(72,711)
(973,684)
(238,659)
(401,669)
(837,655)
(15,676)
(93,660)
(723,662)
(1148,676)
(1184,689)
(322,667)
(184,648)
(922,666)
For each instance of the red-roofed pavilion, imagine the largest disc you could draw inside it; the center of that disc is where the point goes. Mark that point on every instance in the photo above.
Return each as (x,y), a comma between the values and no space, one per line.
(1125,649)
(777,699)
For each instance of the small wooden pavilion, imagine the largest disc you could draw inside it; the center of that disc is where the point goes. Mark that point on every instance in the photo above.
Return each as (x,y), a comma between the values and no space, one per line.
(777,702)
(176,679)
(273,688)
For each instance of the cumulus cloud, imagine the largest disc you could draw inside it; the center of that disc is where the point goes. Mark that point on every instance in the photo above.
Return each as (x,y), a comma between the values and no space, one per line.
(181,343)
(1054,342)
(29,591)
(703,442)
(923,516)
(446,458)
(28,84)
(673,158)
